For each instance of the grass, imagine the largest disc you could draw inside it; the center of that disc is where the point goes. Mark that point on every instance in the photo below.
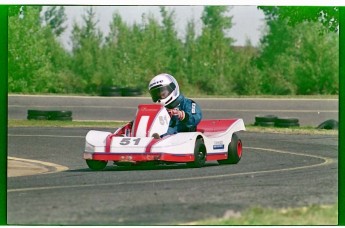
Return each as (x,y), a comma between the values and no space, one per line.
(311,215)
(57,123)
(292,130)
(106,124)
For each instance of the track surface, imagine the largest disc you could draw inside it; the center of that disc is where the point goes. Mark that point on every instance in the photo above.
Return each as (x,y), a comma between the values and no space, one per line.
(310,112)
(276,170)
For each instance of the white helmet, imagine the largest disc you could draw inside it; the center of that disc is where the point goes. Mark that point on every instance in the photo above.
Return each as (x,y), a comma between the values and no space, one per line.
(164,89)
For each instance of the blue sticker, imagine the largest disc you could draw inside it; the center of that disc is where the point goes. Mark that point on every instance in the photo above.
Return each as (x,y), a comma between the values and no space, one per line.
(218,147)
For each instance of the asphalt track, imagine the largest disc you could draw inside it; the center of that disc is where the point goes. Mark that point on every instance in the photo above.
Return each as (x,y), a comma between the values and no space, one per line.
(310,112)
(49,182)
(276,170)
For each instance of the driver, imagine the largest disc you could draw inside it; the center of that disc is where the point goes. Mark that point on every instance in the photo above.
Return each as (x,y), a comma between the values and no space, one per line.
(185,113)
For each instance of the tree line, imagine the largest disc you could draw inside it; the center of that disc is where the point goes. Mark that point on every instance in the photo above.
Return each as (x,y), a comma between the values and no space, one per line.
(293,57)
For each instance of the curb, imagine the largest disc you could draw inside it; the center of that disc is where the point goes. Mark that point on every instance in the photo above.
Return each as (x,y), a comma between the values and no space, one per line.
(25,167)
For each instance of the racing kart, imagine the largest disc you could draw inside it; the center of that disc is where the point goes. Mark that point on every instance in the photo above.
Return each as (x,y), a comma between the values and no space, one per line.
(133,143)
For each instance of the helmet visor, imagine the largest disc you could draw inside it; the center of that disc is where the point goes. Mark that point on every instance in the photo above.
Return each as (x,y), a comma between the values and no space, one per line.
(158,93)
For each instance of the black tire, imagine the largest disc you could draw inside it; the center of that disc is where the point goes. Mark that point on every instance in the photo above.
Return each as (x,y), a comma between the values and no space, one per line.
(329,124)
(38,113)
(264,124)
(112,94)
(123,164)
(49,115)
(96,165)
(277,124)
(266,118)
(199,154)
(127,92)
(234,151)
(286,120)
(111,91)
(57,114)
(31,117)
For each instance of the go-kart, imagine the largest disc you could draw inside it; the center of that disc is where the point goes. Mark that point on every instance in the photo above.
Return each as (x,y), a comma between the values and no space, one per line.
(133,143)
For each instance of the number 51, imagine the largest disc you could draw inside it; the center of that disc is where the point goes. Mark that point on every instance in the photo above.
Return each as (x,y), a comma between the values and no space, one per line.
(127,141)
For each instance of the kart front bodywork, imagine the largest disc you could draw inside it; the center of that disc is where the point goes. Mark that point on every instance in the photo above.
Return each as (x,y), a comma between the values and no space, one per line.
(134,144)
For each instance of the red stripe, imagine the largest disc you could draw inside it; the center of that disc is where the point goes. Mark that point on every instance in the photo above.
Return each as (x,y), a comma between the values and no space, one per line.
(118,132)
(135,157)
(150,110)
(143,157)
(153,142)
(216,157)
(108,142)
(149,146)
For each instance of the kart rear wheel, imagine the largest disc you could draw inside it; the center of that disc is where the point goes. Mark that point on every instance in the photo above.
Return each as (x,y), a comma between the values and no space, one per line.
(96,165)
(199,154)
(234,151)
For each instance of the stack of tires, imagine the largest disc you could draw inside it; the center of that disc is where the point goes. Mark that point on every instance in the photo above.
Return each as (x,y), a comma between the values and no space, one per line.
(275,121)
(128,91)
(265,121)
(286,122)
(49,115)
(113,91)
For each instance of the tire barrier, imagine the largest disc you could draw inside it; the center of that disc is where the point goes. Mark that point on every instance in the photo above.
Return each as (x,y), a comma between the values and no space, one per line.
(112,91)
(126,92)
(265,121)
(49,115)
(286,122)
(37,115)
(329,125)
(275,121)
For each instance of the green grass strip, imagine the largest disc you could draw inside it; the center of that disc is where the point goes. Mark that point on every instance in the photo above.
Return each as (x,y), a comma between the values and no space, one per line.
(59,123)
(311,215)
(115,124)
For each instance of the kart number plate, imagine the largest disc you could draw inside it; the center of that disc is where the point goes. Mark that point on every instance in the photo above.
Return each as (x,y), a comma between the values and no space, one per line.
(130,141)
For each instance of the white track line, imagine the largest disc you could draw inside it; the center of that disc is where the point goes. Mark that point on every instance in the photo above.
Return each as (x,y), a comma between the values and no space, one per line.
(326,161)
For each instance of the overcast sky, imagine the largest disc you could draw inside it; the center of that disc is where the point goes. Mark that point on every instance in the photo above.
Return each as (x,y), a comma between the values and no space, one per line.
(248,20)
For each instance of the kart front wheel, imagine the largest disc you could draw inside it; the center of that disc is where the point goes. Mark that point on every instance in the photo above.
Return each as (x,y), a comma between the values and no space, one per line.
(234,151)
(96,165)
(199,154)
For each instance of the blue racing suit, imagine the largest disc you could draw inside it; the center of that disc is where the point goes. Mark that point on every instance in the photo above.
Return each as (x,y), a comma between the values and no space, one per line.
(193,115)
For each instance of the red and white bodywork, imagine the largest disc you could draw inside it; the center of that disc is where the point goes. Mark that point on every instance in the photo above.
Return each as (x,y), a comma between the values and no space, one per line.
(133,143)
